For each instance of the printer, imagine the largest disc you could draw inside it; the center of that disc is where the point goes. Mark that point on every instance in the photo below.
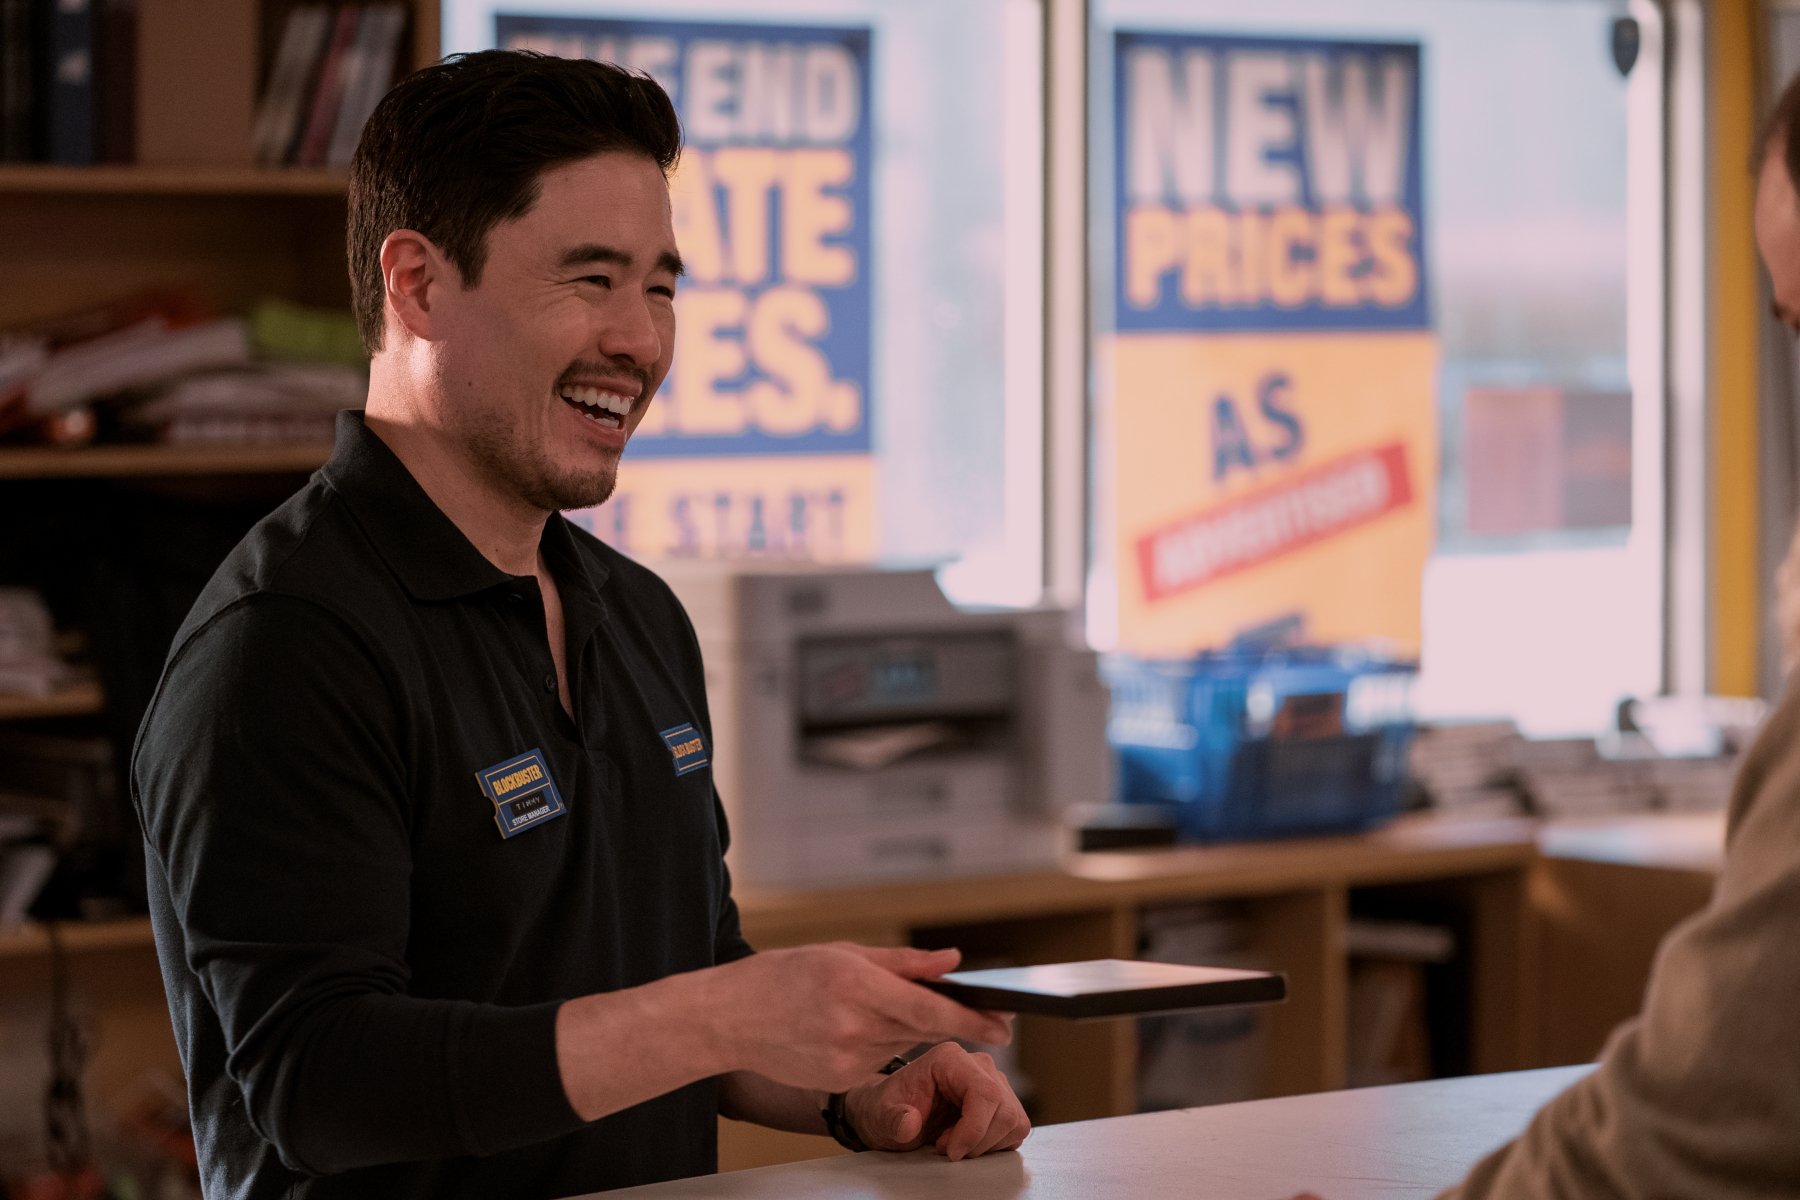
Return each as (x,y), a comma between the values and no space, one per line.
(867,728)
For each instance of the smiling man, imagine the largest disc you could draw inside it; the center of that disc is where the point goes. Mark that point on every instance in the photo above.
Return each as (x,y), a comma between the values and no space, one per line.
(436,863)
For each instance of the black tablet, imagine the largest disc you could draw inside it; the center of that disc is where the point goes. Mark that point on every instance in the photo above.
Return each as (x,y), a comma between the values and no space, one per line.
(1108,987)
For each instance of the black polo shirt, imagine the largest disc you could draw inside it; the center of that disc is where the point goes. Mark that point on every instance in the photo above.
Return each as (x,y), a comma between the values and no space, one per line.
(381,853)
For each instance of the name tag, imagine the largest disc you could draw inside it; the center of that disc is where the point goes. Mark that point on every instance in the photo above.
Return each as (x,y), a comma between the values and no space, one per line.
(689,750)
(523,794)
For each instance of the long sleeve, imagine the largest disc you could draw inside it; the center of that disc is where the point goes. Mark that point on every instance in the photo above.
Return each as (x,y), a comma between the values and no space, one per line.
(273,790)
(1700,1094)
(729,943)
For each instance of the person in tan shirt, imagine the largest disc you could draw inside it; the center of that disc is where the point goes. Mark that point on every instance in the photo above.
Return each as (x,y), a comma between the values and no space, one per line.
(1699,1095)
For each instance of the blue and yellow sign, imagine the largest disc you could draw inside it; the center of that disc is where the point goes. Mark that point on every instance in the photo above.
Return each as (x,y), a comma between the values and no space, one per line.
(772,212)
(818,507)
(687,747)
(523,794)
(1273,440)
(1267,184)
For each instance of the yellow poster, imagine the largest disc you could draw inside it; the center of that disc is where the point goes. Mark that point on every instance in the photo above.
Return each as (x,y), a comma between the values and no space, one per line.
(1260,477)
(799,506)
(1273,437)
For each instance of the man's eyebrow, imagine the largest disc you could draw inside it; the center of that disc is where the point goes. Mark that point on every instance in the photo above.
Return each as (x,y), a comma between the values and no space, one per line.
(592,252)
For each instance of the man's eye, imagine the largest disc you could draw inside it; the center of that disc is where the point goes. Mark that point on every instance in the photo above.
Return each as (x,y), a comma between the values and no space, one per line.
(604,281)
(663,291)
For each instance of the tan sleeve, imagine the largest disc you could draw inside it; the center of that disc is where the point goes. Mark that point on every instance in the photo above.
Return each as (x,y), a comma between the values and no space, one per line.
(1698,1096)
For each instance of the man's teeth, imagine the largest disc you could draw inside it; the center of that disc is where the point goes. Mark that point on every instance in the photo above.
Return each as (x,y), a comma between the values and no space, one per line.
(607,408)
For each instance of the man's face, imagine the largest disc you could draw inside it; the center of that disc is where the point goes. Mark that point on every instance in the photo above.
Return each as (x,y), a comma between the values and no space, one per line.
(1778,238)
(546,367)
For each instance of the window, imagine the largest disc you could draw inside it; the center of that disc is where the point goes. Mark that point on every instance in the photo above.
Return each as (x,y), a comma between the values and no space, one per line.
(1539,575)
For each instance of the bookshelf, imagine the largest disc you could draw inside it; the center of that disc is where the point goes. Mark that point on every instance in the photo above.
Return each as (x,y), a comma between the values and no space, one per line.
(194,212)
(157,461)
(48,179)
(81,700)
(124,933)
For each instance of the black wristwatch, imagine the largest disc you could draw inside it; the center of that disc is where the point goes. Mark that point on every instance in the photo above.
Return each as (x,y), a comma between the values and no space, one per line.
(837,1121)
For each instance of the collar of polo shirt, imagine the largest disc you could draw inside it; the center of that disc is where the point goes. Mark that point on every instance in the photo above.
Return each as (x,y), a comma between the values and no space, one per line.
(425,549)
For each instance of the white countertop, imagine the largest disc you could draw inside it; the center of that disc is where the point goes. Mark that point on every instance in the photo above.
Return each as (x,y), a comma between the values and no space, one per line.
(1673,841)
(1386,1143)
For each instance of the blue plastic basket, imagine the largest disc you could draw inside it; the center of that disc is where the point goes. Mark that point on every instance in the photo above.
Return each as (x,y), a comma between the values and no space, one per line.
(1253,743)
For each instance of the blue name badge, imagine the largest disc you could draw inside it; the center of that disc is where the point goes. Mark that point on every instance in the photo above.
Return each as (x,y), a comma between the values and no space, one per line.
(689,749)
(523,793)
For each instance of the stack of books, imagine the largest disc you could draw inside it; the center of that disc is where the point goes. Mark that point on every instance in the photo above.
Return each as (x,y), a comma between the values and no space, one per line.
(1600,787)
(29,662)
(53,374)
(1693,785)
(254,405)
(160,367)
(332,66)
(1467,768)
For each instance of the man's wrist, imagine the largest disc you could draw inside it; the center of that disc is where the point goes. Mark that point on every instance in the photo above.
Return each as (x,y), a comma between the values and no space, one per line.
(700,1007)
(836,1115)
(592,1031)
(835,1112)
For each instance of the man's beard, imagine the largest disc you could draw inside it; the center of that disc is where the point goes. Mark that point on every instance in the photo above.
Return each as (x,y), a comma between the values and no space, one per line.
(519,468)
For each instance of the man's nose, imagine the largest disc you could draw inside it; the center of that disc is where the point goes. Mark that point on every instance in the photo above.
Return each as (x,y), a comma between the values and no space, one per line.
(628,330)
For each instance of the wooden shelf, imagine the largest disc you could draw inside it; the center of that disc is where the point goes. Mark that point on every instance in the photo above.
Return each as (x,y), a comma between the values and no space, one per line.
(1409,849)
(93,462)
(46,179)
(84,699)
(123,933)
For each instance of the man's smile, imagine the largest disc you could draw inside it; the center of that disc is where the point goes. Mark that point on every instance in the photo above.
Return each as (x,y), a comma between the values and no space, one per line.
(603,406)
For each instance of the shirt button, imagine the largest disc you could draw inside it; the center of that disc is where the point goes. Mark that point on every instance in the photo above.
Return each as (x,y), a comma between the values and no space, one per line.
(550,682)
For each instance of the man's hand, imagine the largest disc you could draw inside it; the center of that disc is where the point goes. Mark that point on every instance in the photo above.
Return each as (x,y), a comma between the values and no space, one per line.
(828,1016)
(805,1021)
(948,1098)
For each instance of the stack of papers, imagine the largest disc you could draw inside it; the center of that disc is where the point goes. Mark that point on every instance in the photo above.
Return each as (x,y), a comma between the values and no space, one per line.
(1468,768)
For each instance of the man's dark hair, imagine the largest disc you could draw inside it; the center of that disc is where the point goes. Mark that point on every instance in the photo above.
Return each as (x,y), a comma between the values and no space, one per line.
(458,147)
(1780,133)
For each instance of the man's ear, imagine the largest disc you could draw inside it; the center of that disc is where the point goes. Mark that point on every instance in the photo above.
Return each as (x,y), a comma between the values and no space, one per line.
(414,275)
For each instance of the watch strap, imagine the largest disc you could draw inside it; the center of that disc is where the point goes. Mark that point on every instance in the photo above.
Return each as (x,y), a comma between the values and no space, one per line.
(837,1120)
